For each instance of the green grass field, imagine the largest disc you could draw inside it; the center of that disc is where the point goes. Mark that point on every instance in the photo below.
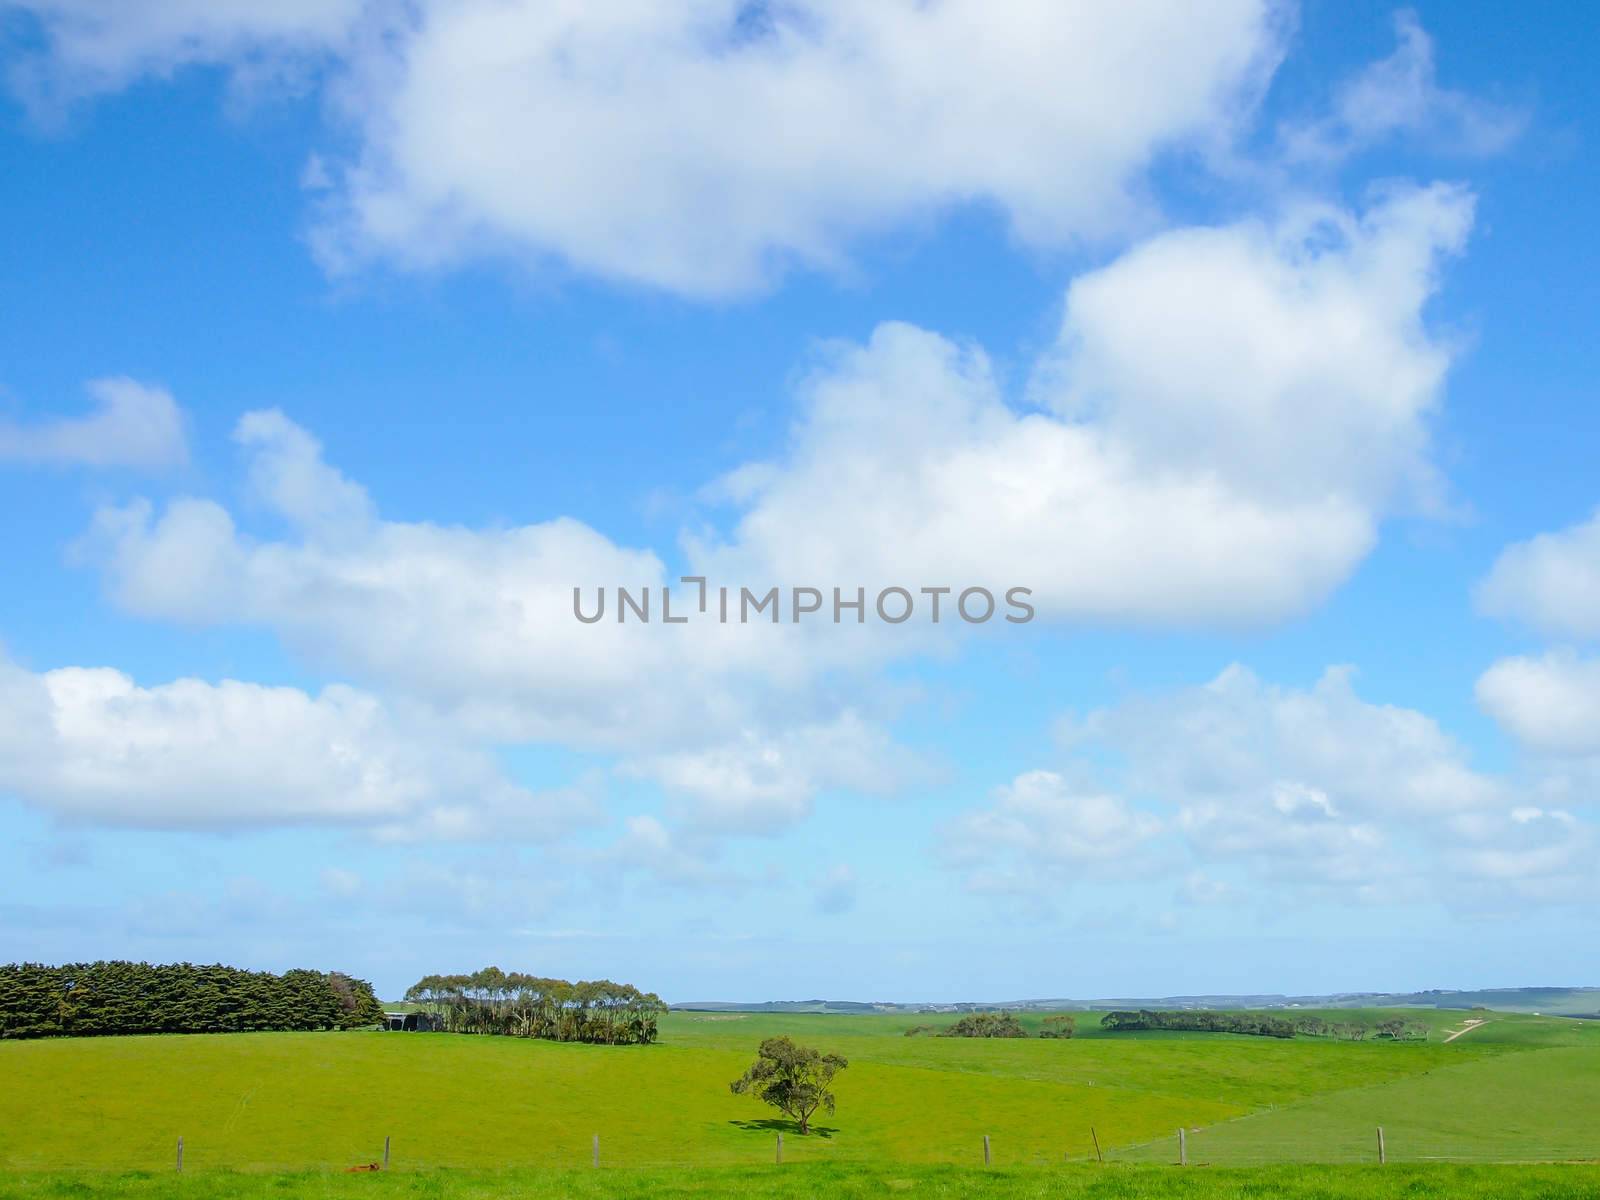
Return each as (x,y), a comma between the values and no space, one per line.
(78,1116)
(848,1181)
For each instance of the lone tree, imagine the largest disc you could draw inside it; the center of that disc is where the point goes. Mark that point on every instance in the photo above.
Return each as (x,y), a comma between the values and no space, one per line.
(793,1079)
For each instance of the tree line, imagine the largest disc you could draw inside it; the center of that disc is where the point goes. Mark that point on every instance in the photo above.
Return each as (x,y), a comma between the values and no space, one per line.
(1399,1029)
(516,1005)
(100,998)
(1253,1024)
(998,1025)
(1396,1029)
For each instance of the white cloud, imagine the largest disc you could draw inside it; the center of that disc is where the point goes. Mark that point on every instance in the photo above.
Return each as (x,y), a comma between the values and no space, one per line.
(1290,359)
(287,474)
(1551,704)
(1228,415)
(1040,829)
(760,782)
(1550,582)
(667,857)
(1293,759)
(1401,96)
(703,147)
(133,425)
(477,625)
(445,613)
(700,147)
(95,46)
(1311,793)
(1533,853)
(90,744)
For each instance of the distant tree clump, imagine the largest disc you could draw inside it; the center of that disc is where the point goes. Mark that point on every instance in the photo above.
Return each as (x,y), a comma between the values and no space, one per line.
(517,1005)
(792,1078)
(91,999)
(1062,1025)
(987,1025)
(1397,1029)
(919,1030)
(1253,1024)
(1401,1029)
(1349,1030)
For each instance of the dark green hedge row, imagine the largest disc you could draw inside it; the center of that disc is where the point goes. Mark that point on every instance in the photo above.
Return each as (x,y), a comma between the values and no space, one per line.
(1255,1024)
(88,999)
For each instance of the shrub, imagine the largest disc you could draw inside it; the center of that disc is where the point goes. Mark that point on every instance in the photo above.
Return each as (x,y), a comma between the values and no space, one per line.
(987,1025)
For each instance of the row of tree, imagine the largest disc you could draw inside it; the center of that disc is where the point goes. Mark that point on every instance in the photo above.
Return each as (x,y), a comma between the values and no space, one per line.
(89,999)
(1396,1029)
(517,1005)
(986,1025)
(1000,1025)
(1254,1024)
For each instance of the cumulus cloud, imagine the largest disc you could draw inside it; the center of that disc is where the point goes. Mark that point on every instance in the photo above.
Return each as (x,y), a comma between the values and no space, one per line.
(760,782)
(667,857)
(739,722)
(1535,853)
(703,147)
(91,744)
(92,46)
(1228,415)
(1292,756)
(700,147)
(132,425)
(1039,831)
(1400,95)
(1550,582)
(1309,792)
(1551,704)
(445,612)
(1321,788)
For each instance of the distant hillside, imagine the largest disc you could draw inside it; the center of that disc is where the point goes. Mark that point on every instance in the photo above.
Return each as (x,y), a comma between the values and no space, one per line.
(1555,1001)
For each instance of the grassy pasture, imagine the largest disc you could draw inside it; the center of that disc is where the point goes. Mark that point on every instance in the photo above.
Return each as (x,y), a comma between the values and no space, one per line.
(924,1182)
(1519,1088)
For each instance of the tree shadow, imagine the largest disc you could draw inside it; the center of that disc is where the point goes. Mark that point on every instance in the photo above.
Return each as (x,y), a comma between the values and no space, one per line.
(781,1125)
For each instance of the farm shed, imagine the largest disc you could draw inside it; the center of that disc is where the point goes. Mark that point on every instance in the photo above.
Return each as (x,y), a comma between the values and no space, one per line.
(409,1022)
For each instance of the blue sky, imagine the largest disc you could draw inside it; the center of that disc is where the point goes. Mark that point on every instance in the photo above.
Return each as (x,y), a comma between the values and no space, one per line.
(343,340)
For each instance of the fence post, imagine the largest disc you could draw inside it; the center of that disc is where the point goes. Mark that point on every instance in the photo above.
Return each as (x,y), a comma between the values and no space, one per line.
(595,1154)
(386,1152)
(986,1149)
(780,1147)
(1383,1156)
(1098,1157)
(180,1152)
(1183,1149)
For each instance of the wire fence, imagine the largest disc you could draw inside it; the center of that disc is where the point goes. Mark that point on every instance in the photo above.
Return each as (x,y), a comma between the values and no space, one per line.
(1230,1144)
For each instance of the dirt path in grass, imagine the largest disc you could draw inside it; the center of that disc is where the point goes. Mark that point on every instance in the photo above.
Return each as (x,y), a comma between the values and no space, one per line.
(1467,1027)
